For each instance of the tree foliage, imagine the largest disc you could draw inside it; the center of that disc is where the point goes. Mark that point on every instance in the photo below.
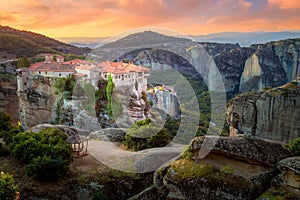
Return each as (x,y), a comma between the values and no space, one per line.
(65,85)
(8,188)
(144,134)
(46,154)
(294,146)
(109,90)
(23,62)
(4,121)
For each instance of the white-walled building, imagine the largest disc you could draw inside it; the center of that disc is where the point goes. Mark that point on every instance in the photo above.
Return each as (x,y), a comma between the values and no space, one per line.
(122,73)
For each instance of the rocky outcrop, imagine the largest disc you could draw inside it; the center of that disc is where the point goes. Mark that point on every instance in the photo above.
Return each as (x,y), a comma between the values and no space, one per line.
(272,64)
(109,134)
(37,104)
(8,97)
(137,106)
(290,168)
(285,185)
(271,114)
(234,168)
(70,131)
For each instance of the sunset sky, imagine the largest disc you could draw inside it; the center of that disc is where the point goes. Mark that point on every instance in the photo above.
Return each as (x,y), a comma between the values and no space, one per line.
(102,18)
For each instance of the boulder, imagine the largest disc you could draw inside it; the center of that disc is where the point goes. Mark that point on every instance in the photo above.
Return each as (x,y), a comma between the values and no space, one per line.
(109,134)
(290,169)
(232,168)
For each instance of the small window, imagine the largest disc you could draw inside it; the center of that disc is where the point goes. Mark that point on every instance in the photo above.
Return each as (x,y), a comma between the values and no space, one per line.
(59,74)
(45,72)
(39,72)
(25,83)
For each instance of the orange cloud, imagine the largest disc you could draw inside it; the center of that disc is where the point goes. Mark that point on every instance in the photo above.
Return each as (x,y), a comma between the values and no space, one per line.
(58,18)
(286,4)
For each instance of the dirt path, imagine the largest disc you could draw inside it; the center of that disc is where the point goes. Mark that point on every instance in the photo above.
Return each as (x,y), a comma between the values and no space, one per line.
(136,162)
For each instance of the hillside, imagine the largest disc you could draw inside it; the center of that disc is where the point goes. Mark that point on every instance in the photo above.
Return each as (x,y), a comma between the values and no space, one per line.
(24,43)
(143,38)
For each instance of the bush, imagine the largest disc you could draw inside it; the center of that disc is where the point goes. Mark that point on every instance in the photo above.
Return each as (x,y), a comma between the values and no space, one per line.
(144,134)
(186,153)
(294,146)
(4,121)
(8,189)
(46,154)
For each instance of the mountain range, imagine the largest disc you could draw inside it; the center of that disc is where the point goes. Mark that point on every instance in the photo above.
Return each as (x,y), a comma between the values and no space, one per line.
(242,38)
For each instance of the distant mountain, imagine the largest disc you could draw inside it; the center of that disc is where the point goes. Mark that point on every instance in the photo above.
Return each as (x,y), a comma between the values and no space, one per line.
(246,38)
(143,38)
(25,43)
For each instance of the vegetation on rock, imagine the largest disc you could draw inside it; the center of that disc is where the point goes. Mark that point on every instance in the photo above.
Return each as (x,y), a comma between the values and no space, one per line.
(8,188)
(144,134)
(294,146)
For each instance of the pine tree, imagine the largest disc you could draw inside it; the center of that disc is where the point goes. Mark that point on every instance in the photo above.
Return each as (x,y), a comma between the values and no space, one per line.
(23,62)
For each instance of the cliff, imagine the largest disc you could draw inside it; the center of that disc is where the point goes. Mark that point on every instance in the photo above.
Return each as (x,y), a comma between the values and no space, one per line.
(270,114)
(8,97)
(37,104)
(272,64)
(242,68)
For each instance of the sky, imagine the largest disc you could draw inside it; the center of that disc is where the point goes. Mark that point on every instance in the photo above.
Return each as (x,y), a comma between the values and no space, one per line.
(104,18)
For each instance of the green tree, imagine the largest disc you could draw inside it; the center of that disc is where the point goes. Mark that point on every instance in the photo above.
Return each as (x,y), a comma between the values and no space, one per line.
(46,154)
(8,189)
(144,134)
(109,90)
(4,121)
(23,62)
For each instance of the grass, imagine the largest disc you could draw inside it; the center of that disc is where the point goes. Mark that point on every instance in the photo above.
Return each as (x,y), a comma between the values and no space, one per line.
(186,169)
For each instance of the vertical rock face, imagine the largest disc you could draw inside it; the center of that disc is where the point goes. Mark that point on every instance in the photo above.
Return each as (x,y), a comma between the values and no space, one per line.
(230,60)
(37,105)
(251,77)
(9,98)
(276,64)
(272,114)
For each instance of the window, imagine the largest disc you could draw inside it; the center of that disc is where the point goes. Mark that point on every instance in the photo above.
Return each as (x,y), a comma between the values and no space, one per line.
(59,74)
(45,72)
(39,72)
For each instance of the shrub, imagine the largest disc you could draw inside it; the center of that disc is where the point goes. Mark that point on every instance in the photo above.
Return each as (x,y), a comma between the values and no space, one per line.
(4,121)
(8,189)
(144,134)
(294,146)
(46,154)
(186,153)
(227,169)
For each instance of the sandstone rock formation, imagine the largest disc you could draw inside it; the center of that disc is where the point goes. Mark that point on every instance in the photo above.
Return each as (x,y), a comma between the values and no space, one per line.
(137,106)
(235,168)
(37,104)
(271,114)
(290,168)
(8,97)
(272,64)
(109,134)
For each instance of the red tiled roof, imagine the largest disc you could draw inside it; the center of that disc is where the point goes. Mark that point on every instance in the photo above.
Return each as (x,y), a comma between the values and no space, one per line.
(85,67)
(75,61)
(121,68)
(52,67)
